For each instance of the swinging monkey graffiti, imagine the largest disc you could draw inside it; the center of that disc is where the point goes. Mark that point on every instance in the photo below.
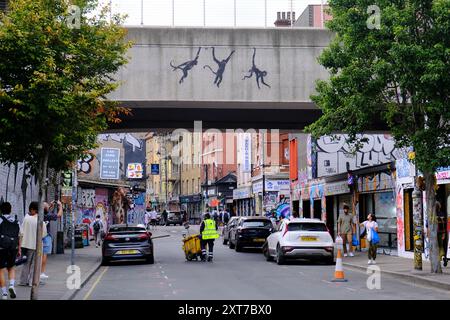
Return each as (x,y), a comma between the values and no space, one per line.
(258,73)
(186,66)
(221,67)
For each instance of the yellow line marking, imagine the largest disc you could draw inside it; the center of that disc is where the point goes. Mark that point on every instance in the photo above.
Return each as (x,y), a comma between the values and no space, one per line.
(86,297)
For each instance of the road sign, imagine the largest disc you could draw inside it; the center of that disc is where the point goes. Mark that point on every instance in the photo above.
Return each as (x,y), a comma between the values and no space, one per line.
(154,168)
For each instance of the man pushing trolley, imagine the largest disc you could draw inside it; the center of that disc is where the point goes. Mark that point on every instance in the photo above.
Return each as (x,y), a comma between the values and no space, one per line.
(208,231)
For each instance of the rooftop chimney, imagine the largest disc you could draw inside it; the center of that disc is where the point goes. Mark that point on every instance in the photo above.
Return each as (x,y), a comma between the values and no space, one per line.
(284,19)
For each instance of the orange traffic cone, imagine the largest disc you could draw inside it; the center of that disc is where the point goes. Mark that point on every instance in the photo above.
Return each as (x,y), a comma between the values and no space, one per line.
(339,271)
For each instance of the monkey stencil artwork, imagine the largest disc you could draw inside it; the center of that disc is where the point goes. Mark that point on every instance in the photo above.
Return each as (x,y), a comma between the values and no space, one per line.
(258,73)
(186,66)
(221,67)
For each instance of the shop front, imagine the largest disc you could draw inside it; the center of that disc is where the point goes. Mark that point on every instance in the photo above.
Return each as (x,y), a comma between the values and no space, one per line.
(377,194)
(243,201)
(277,194)
(191,204)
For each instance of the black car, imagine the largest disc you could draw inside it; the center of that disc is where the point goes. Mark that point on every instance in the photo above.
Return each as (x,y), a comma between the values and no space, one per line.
(227,229)
(250,232)
(124,242)
(174,218)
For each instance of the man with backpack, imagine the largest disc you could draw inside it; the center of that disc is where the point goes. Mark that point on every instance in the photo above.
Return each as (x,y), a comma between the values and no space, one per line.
(9,249)
(98,229)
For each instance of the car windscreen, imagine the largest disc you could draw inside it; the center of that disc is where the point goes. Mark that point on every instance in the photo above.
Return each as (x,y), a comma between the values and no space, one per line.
(311,226)
(126,229)
(256,224)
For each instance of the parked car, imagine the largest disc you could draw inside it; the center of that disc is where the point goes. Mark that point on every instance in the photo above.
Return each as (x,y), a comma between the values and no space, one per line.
(249,232)
(174,218)
(124,242)
(300,239)
(227,229)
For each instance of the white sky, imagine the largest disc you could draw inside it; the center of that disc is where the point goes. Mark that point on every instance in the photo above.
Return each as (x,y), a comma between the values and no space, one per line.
(220,13)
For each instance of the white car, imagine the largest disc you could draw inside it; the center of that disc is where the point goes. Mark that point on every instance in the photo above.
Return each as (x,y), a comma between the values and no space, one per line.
(300,239)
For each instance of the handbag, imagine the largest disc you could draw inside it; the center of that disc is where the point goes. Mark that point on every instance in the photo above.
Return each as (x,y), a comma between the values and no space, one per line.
(375,237)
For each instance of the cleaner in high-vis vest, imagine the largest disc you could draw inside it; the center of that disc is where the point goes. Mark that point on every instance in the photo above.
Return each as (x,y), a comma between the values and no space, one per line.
(208,231)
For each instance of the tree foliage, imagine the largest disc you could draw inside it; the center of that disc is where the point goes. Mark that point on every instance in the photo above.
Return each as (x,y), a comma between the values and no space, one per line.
(399,73)
(54,79)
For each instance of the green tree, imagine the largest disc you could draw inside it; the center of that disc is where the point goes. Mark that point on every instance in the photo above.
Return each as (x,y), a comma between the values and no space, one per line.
(56,68)
(397,75)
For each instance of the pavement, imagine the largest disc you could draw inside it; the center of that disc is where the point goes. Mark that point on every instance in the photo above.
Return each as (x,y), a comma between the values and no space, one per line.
(241,276)
(402,268)
(88,259)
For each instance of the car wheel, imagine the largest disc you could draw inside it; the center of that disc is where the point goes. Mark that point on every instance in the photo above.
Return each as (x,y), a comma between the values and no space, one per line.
(150,259)
(230,244)
(330,261)
(280,257)
(238,247)
(105,261)
(267,253)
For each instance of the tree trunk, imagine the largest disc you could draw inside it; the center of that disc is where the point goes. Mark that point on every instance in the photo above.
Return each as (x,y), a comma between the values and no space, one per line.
(432,222)
(42,175)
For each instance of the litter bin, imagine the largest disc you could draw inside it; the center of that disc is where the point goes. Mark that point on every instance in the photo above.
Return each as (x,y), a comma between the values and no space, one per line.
(79,238)
(85,228)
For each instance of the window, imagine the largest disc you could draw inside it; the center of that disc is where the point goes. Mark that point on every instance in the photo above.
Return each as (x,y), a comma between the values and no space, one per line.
(257,224)
(321,227)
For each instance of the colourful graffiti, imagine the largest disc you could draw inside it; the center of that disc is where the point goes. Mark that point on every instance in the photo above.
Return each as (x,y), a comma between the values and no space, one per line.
(400,224)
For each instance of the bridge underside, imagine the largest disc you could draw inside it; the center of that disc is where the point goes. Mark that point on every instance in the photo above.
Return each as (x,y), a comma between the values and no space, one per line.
(291,117)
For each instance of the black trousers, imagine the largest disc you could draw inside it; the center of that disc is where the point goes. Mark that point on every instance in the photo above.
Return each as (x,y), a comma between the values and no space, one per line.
(210,243)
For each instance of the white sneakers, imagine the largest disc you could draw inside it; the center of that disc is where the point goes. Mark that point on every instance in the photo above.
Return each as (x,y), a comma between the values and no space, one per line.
(345,255)
(4,297)
(351,254)
(44,276)
(371,261)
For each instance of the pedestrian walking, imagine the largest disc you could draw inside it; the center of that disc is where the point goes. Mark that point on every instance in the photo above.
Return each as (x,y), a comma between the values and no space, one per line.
(147,217)
(441,233)
(226,217)
(371,227)
(208,231)
(28,233)
(164,216)
(97,226)
(9,249)
(153,218)
(345,230)
(47,241)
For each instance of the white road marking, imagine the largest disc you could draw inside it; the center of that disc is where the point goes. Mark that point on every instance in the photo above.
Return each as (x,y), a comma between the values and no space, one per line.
(351,289)
(166,277)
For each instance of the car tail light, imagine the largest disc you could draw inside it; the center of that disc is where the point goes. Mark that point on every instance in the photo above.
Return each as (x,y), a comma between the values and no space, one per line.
(110,237)
(144,236)
(329,249)
(287,249)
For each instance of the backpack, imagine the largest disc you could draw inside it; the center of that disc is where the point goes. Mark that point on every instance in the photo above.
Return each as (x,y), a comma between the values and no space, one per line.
(97,226)
(9,234)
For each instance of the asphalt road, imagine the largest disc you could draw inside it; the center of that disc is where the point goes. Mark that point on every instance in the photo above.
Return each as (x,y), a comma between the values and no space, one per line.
(233,275)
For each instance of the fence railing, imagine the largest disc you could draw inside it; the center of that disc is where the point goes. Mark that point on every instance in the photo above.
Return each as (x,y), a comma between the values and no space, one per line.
(208,13)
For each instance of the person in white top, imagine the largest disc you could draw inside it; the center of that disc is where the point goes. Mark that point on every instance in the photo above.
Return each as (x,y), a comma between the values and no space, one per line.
(370,225)
(28,234)
(147,218)
(153,218)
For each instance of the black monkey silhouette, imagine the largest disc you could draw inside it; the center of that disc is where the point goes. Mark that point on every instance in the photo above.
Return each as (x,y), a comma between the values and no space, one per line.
(259,74)
(221,67)
(186,66)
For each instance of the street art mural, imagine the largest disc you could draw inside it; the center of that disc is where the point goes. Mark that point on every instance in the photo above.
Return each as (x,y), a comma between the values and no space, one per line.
(119,206)
(221,64)
(84,165)
(126,138)
(86,198)
(334,154)
(259,75)
(18,187)
(400,223)
(185,67)
(137,212)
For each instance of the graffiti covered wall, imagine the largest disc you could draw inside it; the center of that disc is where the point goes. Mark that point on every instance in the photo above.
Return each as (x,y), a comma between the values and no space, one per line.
(18,188)
(335,155)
